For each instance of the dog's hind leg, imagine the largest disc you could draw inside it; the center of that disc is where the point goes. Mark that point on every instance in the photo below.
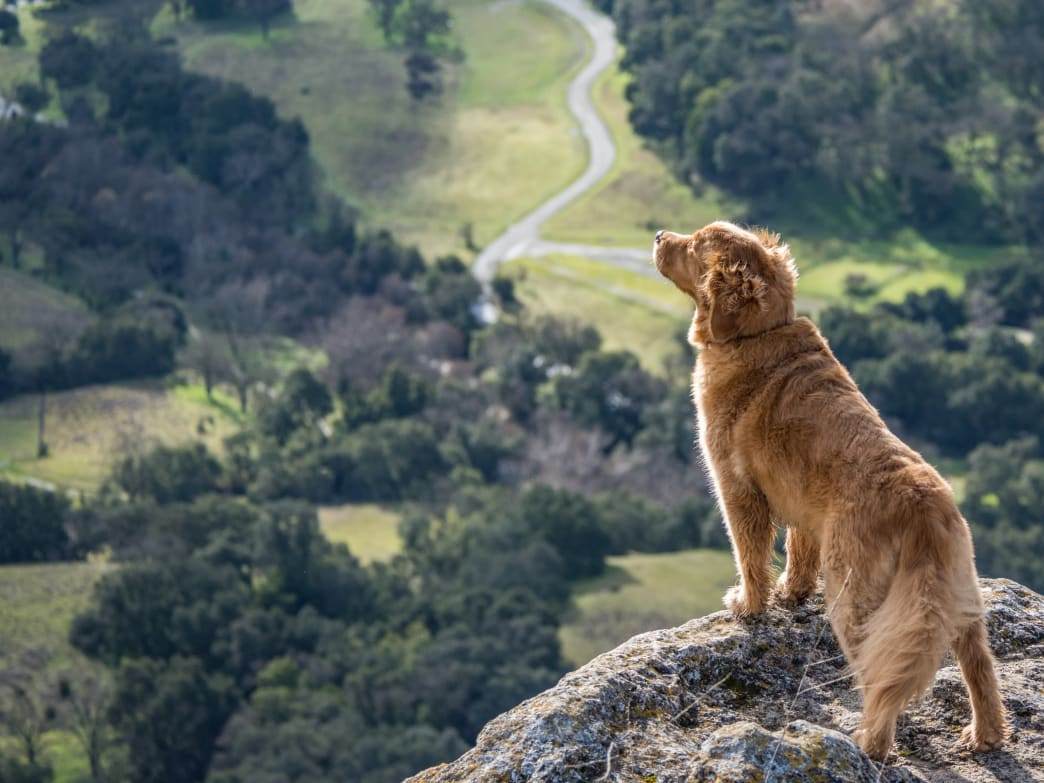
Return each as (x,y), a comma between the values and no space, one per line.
(750,527)
(989,726)
(798,581)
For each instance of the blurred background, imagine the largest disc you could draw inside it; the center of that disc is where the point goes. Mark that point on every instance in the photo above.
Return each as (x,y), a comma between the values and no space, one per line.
(319,448)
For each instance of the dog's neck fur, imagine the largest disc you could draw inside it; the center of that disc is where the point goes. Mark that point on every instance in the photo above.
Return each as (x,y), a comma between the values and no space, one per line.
(697,330)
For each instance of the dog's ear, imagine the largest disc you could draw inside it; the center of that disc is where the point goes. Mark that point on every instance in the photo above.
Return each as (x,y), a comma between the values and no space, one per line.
(734,286)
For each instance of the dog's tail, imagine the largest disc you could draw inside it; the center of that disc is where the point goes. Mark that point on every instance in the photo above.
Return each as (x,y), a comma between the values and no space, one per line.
(905,639)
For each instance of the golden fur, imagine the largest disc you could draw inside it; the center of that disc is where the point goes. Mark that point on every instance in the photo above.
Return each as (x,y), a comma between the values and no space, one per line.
(789,440)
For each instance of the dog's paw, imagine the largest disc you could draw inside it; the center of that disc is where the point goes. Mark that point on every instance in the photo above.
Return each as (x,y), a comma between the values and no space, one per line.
(981,739)
(876,747)
(790,595)
(741,604)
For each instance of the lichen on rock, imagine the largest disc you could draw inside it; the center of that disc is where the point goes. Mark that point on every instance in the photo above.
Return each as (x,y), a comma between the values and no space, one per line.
(765,700)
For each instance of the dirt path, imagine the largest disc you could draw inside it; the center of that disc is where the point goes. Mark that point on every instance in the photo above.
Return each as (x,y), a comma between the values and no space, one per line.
(523,237)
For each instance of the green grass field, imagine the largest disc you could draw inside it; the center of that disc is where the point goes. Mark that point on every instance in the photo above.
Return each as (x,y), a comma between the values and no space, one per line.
(37,606)
(631,312)
(87,428)
(497,142)
(370,531)
(639,593)
(18,61)
(38,603)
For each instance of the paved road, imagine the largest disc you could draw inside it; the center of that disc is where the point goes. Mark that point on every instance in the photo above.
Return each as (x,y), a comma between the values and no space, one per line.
(523,238)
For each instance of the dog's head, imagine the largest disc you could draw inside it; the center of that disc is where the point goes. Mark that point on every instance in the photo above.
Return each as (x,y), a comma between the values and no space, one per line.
(741,281)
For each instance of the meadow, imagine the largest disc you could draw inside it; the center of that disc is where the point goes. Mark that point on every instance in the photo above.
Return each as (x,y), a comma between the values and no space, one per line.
(87,428)
(643,592)
(496,142)
(37,606)
(370,531)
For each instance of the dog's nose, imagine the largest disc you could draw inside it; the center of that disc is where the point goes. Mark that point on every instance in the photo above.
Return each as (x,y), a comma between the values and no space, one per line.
(659,234)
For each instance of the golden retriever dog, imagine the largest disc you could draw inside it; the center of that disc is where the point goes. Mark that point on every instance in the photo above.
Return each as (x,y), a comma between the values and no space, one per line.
(788,439)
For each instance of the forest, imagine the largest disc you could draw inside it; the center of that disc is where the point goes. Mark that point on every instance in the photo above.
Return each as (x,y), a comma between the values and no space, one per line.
(913,113)
(228,639)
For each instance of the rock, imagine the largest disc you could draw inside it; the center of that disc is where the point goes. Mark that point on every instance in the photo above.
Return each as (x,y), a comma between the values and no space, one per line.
(759,701)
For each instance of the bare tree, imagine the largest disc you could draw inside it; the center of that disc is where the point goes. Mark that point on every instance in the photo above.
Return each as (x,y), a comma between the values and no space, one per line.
(207,355)
(363,338)
(24,711)
(82,698)
(54,344)
(238,312)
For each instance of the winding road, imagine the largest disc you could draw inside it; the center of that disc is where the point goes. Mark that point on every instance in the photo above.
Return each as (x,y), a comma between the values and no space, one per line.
(523,238)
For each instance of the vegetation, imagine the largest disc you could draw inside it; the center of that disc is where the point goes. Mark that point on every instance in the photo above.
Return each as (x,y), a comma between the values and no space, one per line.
(344,522)
(423,170)
(877,106)
(420,28)
(88,430)
(643,592)
(647,318)
(370,532)
(33,525)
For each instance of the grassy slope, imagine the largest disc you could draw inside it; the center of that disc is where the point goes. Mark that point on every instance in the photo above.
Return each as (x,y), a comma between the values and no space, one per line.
(87,427)
(37,606)
(18,62)
(496,143)
(38,603)
(370,531)
(641,593)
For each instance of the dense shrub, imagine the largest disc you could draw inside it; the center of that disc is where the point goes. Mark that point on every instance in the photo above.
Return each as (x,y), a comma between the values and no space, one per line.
(169,474)
(32,524)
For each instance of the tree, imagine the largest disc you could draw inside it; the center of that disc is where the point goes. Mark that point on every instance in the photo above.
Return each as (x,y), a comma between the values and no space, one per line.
(859,286)
(169,474)
(609,390)
(24,710)
(8,382)
(209,9)
(32,522)
(33,97)
(264,11)
(419,27)
(206,355)
(69,59)
(9,27)
(238,313)
(571,524)
(82,698)
(422,74)
(178,7)
(26,148)
(1018,287)
(171,714)
(450,292)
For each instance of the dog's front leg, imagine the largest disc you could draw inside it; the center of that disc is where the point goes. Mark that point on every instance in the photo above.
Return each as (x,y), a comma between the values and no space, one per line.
(798,581)
(749,521)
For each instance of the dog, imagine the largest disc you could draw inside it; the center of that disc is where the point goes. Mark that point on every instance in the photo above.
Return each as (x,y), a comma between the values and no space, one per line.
(788,440)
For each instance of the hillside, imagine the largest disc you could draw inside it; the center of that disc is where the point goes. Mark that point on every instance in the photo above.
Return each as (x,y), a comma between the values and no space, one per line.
(342,410)
(423,170)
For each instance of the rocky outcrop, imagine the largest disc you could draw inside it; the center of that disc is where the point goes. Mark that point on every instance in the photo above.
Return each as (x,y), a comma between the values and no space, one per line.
(765,700)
